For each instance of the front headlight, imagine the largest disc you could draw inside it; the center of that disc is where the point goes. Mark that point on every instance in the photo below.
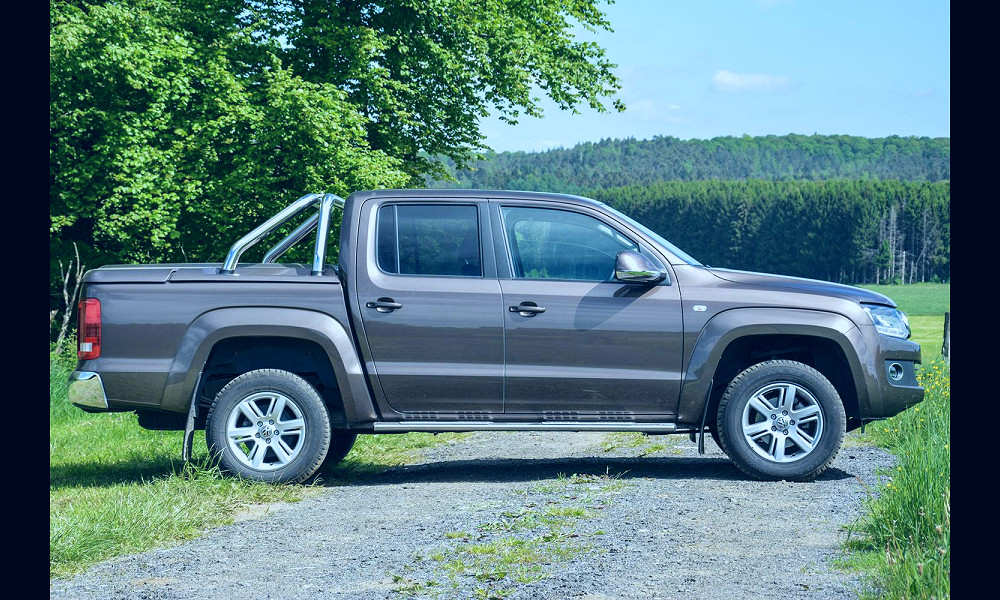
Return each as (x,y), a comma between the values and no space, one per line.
(888,321)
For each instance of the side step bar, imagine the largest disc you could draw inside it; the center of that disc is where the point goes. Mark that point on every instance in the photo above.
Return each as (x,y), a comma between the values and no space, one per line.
(440,426)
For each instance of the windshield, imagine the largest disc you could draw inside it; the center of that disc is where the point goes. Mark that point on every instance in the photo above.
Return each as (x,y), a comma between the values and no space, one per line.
(655,237)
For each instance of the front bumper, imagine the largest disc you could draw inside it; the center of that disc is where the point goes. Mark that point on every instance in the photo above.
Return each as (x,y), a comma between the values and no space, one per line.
(86,390)
(896,367)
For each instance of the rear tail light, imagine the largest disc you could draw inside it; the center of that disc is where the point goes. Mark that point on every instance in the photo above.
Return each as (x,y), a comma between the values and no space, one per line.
(88,331)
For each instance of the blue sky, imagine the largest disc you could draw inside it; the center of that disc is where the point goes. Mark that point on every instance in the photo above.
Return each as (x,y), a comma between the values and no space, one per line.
(708,68)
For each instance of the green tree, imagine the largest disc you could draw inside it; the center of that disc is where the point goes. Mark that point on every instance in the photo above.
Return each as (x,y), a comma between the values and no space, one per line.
(424,72)
(176,125)
(164,145)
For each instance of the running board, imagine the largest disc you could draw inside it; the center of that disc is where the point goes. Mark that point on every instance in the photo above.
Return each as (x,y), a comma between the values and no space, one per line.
(544,426)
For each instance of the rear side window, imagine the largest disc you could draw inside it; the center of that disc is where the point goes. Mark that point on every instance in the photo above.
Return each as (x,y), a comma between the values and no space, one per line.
(429,240)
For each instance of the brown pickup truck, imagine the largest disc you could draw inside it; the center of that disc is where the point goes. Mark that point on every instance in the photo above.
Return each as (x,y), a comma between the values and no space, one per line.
(470,310)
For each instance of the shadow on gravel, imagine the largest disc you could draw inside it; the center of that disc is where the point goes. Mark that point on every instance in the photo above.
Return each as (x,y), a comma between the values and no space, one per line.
(520,470)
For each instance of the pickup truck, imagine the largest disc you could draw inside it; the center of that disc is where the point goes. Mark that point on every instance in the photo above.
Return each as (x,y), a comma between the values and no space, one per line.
(472,310)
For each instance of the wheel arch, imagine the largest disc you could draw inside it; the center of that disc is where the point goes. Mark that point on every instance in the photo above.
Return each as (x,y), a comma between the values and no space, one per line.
(736,339)
(252,338)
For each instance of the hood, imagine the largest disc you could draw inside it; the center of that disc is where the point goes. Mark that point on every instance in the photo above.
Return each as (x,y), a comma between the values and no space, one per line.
(802,285)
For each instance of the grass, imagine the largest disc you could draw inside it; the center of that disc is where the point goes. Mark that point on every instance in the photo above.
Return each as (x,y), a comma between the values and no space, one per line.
(116,489)
(918,299)
(514,547)
(643,444)
(903,542)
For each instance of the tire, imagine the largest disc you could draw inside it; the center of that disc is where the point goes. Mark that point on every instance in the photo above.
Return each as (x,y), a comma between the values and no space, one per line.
(770,436)
(288,438)
(340,444)
(714,430)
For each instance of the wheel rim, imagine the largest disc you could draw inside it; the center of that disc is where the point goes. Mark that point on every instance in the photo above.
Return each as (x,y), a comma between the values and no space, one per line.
(266,431)
(782,422)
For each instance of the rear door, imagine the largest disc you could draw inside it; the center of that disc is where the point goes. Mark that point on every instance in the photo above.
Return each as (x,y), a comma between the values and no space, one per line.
(430,306)
(579,344)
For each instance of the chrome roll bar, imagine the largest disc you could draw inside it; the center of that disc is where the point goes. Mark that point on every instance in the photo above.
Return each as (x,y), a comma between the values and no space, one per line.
(319,221)
(300,232)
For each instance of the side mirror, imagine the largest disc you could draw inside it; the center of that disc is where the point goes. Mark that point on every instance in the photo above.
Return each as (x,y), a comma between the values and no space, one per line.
(632,267)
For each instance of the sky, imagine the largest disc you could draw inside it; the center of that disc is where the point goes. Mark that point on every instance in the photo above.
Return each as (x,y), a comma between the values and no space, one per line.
(698,69)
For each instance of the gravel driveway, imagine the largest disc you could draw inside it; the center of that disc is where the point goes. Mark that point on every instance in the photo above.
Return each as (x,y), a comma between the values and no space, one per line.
(526,515)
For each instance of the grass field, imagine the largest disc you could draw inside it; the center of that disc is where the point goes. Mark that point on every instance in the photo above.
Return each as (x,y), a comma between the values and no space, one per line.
(115,488)
(920,299)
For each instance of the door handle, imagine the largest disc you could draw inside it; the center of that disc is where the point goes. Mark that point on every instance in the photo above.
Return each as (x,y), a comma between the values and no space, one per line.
(527,309)
(384,305)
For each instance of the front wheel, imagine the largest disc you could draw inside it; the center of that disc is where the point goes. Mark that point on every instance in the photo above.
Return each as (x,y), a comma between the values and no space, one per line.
(781,419)
(269,425)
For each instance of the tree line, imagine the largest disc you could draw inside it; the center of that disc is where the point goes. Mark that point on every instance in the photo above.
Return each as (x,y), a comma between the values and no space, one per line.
(613,162)
(848,231)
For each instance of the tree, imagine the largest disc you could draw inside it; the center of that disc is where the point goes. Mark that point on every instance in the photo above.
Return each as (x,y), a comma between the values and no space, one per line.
(423,73)
(177,125)
(164,144)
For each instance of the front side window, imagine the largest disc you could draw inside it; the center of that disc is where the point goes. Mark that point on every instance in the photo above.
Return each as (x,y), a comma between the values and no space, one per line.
(428,240)
(557,244)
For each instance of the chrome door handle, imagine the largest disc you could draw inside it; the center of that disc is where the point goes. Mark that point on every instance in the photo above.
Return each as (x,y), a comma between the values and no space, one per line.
(527,309)
(384,305)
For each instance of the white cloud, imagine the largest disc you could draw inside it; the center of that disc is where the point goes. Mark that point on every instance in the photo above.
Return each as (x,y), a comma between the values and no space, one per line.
(727,81)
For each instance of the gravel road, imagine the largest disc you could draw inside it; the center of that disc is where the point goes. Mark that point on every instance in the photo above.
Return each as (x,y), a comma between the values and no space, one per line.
(522,515)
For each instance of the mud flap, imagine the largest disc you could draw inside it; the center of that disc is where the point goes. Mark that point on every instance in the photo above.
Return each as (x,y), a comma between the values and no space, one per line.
(704,415)
(189,426)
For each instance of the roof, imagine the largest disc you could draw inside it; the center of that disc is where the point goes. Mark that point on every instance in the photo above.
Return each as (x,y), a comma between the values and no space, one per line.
(453,193)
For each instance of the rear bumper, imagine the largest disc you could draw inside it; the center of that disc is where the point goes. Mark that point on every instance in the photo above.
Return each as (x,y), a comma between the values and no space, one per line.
(86,390)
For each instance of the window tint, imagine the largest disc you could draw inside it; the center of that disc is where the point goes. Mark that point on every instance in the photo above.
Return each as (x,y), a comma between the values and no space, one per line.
(557,244)
(428,240)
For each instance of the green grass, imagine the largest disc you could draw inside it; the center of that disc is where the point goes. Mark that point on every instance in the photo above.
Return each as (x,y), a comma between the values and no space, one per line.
(918,299)
(116,489)
(904,540)
(929,333)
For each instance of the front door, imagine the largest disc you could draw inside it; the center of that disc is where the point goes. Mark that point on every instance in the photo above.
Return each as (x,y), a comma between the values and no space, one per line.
(579,344)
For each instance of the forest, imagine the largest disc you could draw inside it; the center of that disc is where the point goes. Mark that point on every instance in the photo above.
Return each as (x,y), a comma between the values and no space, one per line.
(841,208)
(613,162)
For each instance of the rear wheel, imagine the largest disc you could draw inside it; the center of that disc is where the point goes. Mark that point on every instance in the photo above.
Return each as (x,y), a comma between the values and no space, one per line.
(269,425)
(781,419)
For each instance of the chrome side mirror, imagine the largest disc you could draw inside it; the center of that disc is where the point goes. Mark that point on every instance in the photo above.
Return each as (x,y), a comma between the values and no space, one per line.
(632,267)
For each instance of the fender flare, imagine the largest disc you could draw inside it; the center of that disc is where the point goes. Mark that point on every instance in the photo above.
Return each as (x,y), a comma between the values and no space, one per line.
(217,325)
(728,326)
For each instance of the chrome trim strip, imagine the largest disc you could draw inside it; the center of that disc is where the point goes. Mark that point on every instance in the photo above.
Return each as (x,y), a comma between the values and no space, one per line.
(87,390)
(544,426)
(229,266)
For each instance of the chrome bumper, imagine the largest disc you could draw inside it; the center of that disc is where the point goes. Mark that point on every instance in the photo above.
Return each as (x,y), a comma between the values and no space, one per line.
(86,390)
